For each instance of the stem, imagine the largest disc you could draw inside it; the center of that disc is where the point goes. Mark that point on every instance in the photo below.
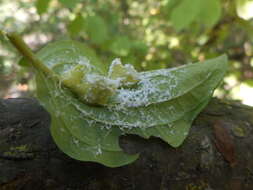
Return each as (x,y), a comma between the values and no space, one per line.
(1,33)
(23,48)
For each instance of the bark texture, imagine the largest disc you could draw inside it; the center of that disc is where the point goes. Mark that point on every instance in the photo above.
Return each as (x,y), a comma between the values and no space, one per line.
(217,155)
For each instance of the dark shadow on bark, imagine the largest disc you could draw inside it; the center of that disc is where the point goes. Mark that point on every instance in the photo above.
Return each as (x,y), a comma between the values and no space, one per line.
(217,155)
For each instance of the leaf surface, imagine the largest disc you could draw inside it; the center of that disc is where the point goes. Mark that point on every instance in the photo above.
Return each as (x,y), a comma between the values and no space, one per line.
(162,104)
(42,6)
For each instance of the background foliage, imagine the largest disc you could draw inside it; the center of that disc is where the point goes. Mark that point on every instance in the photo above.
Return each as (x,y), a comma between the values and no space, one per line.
(149,34)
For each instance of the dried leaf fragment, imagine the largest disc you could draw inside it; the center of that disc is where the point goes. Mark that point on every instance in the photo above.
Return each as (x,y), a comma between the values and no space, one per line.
(224,142)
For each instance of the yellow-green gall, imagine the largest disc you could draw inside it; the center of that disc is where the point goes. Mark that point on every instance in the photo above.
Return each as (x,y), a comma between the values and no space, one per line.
(126,74)
(74,76)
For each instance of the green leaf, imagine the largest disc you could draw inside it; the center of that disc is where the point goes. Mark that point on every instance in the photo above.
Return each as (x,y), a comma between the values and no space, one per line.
(64,126)
(121,45)
(172,4)
(70,3)
(188,11)
(162,104)
(24,62)
(249,82)
(184,90)
(69,52)
(42,6)
(209,12)
(185,13)
(96,29)
(139,47)
(174,133)
(76,26)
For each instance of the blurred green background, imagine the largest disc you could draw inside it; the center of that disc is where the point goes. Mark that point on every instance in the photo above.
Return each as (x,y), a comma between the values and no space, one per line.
(150,34)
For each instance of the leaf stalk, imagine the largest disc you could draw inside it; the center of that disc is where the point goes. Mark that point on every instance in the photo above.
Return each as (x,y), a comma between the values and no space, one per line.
(23,48)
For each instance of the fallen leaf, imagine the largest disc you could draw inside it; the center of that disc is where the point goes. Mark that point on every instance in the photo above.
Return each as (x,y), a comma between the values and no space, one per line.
(224,142)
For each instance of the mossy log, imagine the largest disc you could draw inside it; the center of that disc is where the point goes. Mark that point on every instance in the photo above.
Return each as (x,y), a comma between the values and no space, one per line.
(217,155)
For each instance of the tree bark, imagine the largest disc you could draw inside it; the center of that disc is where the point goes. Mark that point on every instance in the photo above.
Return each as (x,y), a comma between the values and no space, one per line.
(217,154)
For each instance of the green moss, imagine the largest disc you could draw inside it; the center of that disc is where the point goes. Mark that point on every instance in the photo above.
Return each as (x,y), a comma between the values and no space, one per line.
(19,152)
(9,154)
(197,186)
(239,131)
(22,148)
